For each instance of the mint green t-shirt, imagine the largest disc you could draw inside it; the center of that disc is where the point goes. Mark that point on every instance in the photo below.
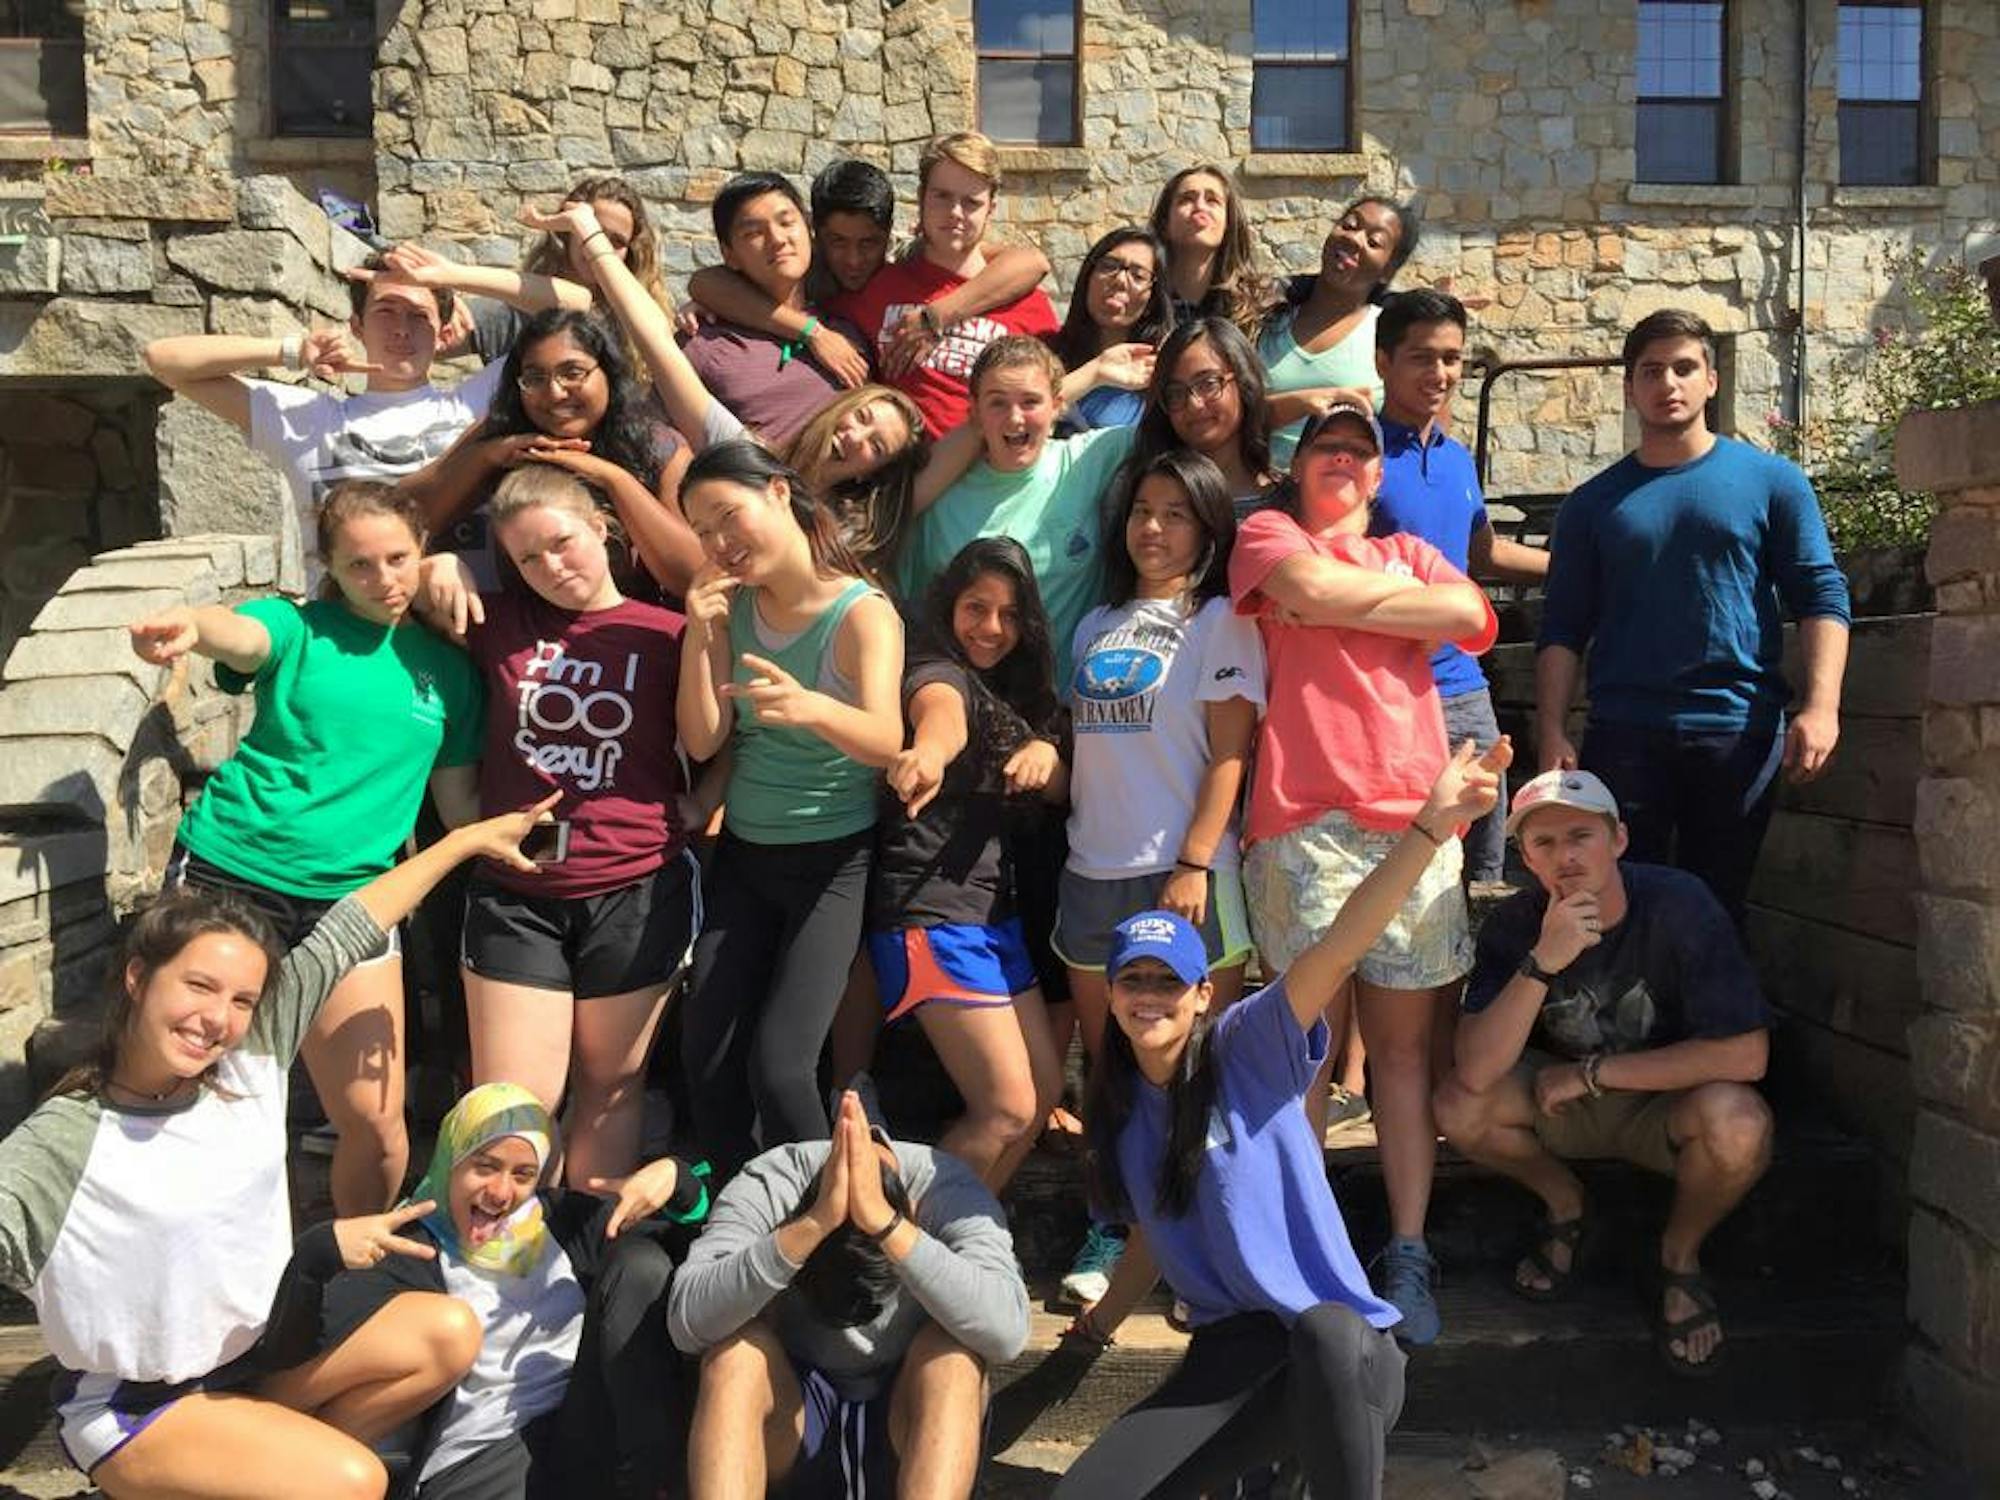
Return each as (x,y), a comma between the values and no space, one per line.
(351,719)
(1287,367)
(1054,508)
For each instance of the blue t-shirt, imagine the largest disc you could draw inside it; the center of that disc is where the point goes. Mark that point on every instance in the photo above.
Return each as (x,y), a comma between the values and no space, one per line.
(1101,406)
(1264,1234)
(1431,489)
(1671,970)
(1674,577)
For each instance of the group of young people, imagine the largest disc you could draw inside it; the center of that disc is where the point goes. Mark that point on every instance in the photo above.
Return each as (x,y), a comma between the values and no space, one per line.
(868,647)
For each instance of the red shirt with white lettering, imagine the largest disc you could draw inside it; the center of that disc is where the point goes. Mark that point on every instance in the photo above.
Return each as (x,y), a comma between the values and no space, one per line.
(584,702)
(940,385)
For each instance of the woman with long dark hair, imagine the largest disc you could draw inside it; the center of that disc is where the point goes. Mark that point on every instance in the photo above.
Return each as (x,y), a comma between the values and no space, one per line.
(793,661)
(1211,254)
(1197,1136)
(985,731)
(567,397)
(1207,396)
(1120,298)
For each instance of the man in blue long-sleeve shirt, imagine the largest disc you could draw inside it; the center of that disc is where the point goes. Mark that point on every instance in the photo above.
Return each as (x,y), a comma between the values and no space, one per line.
(1672,566)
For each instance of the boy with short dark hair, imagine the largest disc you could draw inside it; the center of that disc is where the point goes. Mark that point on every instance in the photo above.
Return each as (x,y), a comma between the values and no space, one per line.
(1673,567)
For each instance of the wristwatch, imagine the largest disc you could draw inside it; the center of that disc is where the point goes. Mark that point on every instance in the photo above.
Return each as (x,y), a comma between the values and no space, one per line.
(1533,970)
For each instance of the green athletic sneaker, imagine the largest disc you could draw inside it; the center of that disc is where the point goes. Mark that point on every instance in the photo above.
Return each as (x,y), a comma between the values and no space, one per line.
(1089,1275)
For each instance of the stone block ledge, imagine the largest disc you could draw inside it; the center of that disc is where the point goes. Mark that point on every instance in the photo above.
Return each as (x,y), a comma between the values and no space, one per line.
(1944,451)
(1694,194)
(1305,164)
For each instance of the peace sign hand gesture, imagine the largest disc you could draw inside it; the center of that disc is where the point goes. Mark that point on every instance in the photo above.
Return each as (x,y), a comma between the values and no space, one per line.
(367,1240)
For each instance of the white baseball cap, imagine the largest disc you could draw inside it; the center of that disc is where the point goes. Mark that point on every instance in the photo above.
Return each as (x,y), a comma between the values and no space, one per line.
(1578,789)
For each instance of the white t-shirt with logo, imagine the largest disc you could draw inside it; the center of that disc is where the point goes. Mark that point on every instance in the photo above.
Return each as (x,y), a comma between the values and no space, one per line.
(1145,673)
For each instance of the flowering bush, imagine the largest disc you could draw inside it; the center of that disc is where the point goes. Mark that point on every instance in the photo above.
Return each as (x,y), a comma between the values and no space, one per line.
(1948,356)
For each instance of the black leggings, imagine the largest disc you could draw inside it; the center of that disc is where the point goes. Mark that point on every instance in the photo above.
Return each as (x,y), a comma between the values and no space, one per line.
(783,923)
(1249,1393)
(622,1428)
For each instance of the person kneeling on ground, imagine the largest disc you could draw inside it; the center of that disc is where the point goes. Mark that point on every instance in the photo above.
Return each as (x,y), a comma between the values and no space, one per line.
(847,1298)
(1649,1030)
(1199,1141)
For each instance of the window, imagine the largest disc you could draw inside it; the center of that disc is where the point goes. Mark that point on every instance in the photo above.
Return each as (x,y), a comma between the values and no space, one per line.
(1682,101)
(1300,75)
(1882,93)
(1027,70)
(322,67)
(41,67)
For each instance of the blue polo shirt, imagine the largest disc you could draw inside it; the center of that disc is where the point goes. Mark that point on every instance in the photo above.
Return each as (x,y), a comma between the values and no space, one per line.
(1431,490)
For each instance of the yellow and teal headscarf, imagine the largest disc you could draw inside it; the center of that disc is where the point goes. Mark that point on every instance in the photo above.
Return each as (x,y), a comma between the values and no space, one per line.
(488,1113)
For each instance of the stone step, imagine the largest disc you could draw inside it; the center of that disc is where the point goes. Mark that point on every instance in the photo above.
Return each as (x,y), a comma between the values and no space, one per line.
(1822,1354)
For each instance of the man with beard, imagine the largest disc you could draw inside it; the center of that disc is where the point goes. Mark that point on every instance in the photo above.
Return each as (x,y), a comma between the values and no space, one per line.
(847,1298)
(1611,1012)
(1672,566)
(395,425)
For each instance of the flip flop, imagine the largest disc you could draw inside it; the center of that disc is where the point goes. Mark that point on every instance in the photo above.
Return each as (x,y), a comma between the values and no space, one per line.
(1568,1233)
(1694,1285)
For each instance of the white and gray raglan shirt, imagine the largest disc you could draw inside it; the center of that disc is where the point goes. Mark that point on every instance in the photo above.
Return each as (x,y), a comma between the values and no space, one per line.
(151,1241)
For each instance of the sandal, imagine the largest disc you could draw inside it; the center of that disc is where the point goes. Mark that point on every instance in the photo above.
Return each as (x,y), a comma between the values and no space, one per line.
(1567,1233)
(1693,1285)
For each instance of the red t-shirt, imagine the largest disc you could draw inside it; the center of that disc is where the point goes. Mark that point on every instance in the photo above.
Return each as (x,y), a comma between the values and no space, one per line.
(584,702)
(1352,722)
(939,385)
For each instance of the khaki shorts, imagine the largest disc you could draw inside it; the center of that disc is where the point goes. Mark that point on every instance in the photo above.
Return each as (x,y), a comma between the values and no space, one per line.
(1626,1125)
(1297,882)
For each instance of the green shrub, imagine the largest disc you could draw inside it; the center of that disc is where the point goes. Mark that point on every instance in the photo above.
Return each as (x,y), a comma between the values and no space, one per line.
(1948,355)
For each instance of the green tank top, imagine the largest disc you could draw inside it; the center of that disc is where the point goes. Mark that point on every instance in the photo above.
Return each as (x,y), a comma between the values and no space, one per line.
(789,786)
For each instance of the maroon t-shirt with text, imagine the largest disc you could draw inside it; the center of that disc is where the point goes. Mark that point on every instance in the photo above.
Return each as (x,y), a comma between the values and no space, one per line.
(584,702)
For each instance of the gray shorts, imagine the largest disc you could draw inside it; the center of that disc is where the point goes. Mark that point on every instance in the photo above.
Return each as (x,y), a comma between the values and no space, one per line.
(1088,908)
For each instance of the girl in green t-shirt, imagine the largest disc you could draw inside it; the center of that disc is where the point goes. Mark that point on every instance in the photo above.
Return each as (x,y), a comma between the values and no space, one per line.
(794,662)
(358,707)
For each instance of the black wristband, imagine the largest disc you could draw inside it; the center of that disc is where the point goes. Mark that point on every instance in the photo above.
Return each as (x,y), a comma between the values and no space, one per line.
(1531,968)
(1188,864)
(887,1229)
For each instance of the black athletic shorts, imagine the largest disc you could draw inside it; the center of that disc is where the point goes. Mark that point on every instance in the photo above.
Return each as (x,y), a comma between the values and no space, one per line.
(587,946)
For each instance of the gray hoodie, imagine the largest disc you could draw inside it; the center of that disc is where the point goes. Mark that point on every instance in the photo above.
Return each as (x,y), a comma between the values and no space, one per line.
(961,1272)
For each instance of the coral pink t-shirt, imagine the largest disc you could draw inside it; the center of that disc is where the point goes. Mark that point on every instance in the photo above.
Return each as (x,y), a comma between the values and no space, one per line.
(1352,721)
(941,384)
(584,702)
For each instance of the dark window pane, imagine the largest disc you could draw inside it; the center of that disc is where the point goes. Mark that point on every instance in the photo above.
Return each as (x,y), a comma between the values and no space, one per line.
(41,88)
(1305,30)
(1881,52)
(1680,50)
(59,20)
(1880,145)
(1678,142)
(1298,109)
(1028,101)
(322,61)
(1045,26)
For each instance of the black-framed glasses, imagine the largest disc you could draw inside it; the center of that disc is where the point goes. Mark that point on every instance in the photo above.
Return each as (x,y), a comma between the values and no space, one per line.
(1205,387)
(568,377)
(1136,276)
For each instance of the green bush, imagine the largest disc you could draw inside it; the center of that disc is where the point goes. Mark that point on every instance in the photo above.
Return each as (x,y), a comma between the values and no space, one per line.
(1948,355)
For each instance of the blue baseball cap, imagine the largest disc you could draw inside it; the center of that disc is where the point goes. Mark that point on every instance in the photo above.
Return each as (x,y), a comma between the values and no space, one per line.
(1163,935)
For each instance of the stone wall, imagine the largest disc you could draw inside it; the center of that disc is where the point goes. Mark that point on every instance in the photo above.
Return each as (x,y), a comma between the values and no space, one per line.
(98,754)
(1517,133)
(1952,1372)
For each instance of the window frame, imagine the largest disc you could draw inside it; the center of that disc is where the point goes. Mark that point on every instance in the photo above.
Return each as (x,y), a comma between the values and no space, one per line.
(27,42)
(1074,57)
(279,43)
(1348,73)
(1724,102)
(1924,104)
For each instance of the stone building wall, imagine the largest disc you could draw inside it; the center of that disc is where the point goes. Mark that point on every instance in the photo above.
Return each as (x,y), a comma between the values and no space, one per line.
(1952,1372)
(1513,122)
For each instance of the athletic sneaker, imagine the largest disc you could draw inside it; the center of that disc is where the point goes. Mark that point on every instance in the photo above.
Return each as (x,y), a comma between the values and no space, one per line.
(1089,1276)
(1407,1274)
(1344,1108)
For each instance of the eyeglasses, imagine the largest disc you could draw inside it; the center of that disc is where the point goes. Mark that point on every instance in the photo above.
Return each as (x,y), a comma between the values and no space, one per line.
(569,377)
(1205,387)
(1136,276)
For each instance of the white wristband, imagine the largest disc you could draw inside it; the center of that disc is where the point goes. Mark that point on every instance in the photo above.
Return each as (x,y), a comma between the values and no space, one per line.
(291,352)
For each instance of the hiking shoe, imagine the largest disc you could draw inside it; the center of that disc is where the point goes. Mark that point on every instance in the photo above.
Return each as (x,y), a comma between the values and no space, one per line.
(1407,1274)
(1089,1275)
(1344,1108)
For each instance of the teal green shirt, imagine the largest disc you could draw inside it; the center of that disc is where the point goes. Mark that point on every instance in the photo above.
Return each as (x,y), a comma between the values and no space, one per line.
(789,786)
(1054,508)
(351,718)
(1287,367)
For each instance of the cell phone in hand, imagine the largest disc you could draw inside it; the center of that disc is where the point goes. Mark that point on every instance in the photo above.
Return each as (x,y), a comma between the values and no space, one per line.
(547,843)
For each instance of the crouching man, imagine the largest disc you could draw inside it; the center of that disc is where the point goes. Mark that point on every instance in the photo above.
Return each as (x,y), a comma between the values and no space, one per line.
(1612,1013)
(846,1298)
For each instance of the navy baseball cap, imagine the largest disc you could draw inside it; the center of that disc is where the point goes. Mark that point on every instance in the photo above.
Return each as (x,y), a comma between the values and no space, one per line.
(1163,935)
(1350,411)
